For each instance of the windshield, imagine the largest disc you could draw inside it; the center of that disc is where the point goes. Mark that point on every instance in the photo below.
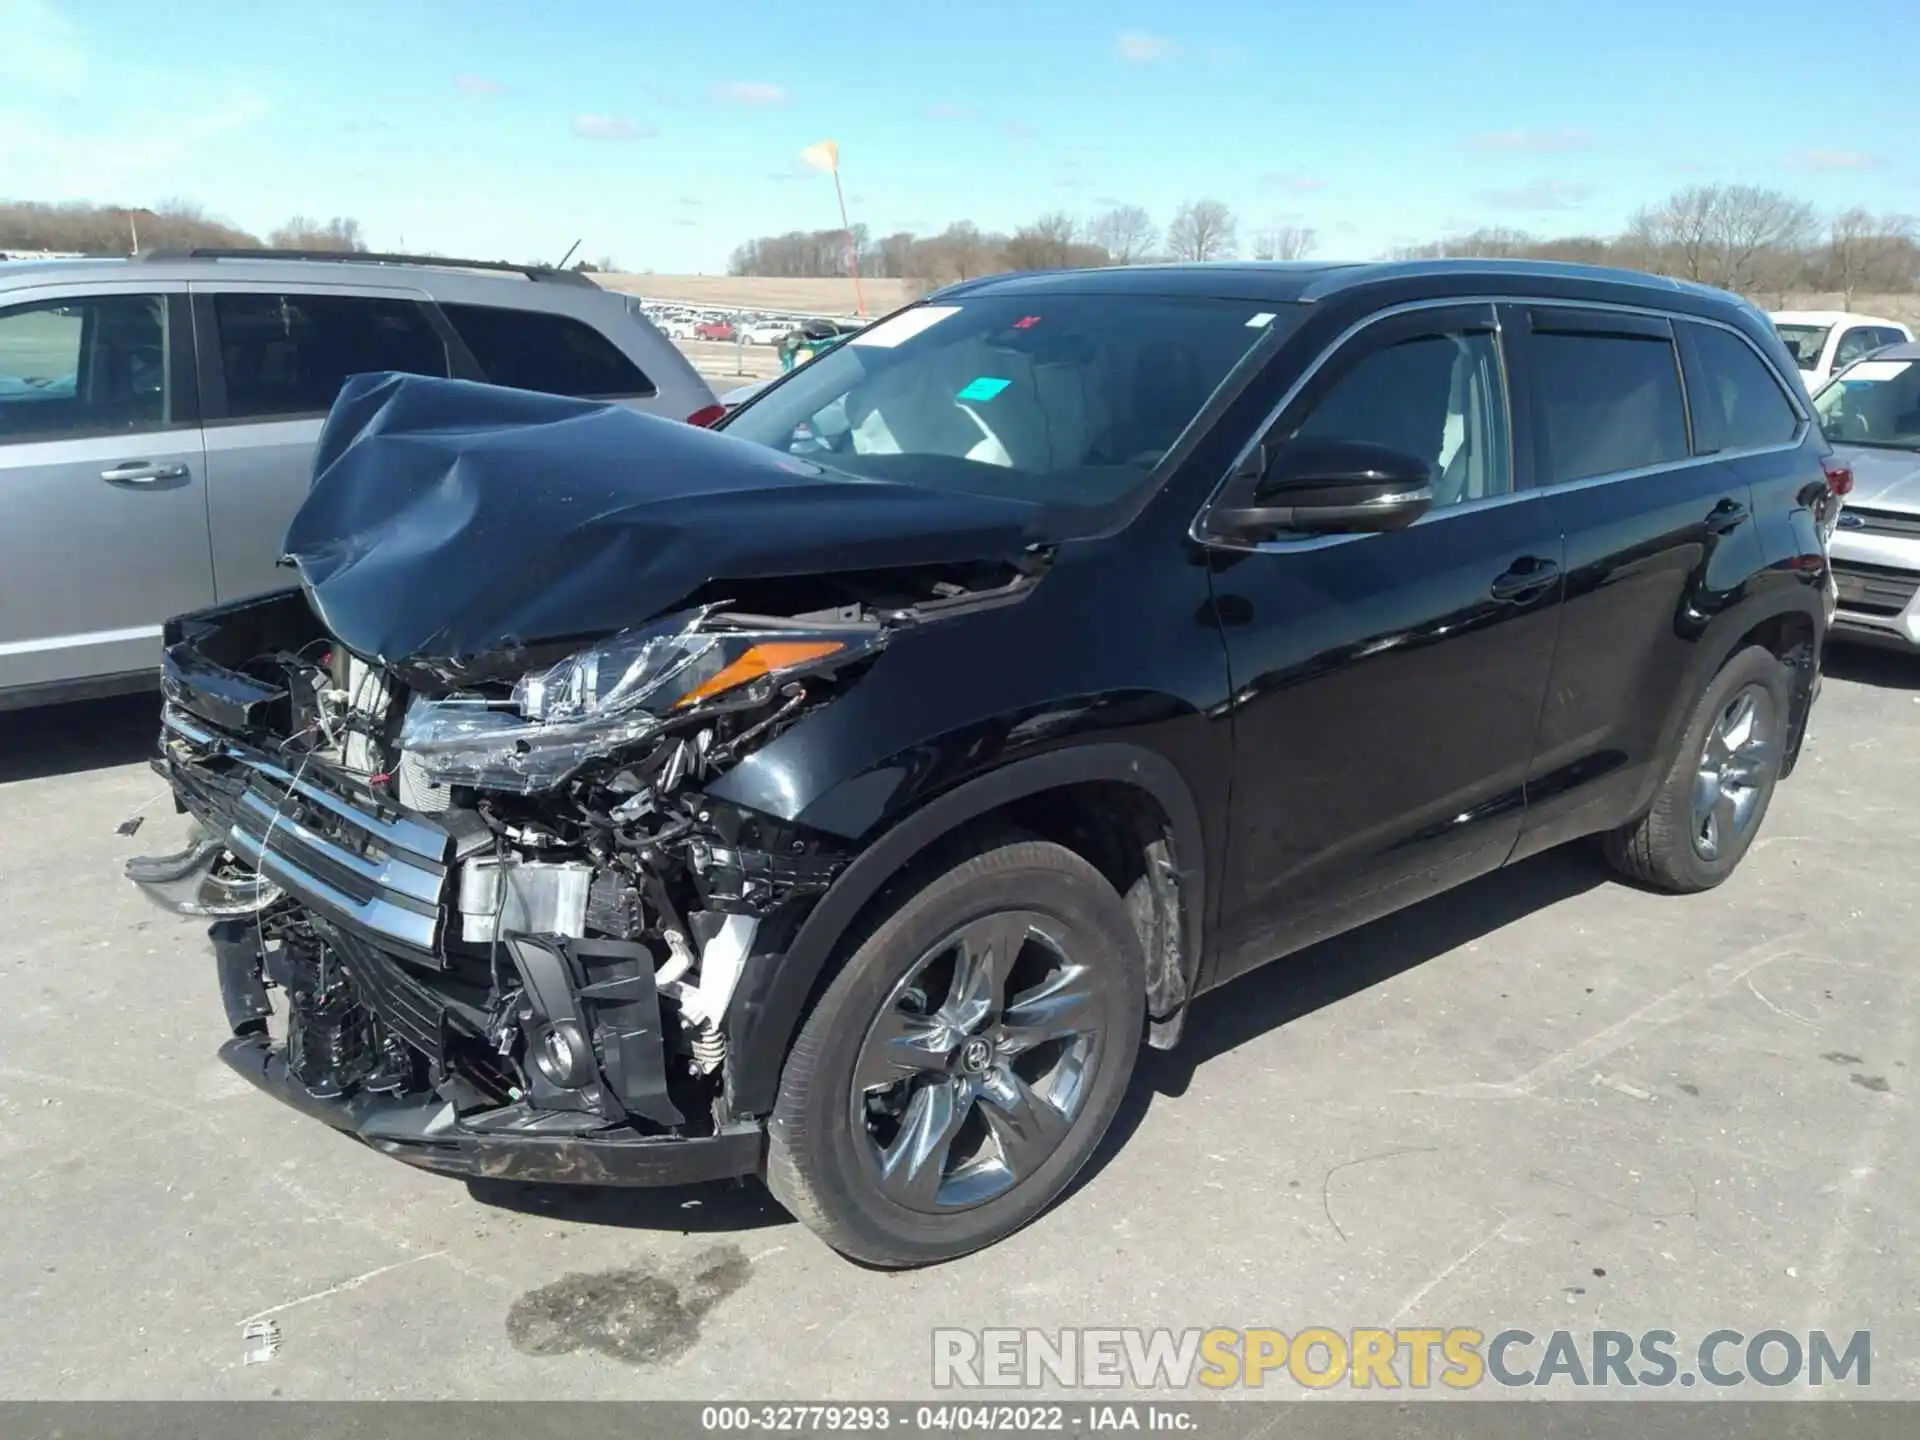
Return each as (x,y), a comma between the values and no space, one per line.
(1061,399)
(1875,402)
(1805,341)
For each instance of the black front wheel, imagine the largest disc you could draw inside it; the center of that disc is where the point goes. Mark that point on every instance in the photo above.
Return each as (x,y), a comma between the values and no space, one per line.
(965,1062)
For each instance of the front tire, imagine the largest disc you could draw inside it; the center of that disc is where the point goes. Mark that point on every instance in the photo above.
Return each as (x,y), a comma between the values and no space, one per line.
(964,1064)
(1709,808)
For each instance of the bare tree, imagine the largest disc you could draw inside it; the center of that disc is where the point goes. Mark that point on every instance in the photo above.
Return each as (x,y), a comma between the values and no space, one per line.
(1490,242)
(1869,252)
(1739,237)
(1126,233)
(1204,230)
(1285,242)
(1048,243)
(301,232)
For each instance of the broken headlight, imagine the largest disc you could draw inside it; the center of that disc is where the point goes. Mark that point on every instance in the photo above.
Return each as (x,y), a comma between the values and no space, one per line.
(611,696)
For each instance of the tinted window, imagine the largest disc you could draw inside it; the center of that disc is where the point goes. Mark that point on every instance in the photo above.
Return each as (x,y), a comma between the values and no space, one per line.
(89,366)
(555,354)
(1064,399)
(1737,404)
(1436,397)
(289,354)
(1607,403)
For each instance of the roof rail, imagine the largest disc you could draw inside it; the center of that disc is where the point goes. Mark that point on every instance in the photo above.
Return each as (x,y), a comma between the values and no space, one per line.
(368,257)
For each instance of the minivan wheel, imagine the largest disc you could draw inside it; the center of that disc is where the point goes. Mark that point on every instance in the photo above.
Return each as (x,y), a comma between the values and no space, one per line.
(1711,804)
(965,1062)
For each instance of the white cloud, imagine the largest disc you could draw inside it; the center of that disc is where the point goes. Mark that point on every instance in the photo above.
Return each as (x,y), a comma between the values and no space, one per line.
(132,162)
(610,127)
(1301,184)
(1541,195)
(1142,48)
(477,85)
(1532,142)
(40,51)
(749,92)
(1832,160)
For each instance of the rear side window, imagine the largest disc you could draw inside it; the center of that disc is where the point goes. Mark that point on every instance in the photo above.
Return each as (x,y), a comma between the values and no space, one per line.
(554,354)
(93,366)
(286,355)
(1737,403)
(1607,403)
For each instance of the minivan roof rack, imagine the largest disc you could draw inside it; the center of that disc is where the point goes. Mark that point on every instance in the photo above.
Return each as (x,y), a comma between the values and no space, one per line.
(367,257)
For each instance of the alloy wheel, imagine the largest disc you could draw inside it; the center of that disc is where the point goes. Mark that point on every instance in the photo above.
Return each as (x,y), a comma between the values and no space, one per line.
(978,1063)
(1732,774)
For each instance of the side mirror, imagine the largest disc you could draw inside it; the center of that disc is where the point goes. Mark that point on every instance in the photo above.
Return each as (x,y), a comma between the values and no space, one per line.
(1329,487)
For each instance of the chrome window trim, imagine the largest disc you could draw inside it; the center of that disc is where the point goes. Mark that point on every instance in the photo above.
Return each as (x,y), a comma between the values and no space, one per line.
(1196,531)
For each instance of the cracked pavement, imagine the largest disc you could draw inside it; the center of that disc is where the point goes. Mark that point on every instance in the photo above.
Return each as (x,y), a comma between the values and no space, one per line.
(1545,1100)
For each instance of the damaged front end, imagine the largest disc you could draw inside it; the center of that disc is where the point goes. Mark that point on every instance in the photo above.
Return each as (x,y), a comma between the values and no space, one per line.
(504,923)
(450,795)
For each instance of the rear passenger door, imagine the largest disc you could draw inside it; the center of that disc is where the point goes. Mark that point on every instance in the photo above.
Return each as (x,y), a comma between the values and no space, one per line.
(103,519)
(273,357)
(1659,539)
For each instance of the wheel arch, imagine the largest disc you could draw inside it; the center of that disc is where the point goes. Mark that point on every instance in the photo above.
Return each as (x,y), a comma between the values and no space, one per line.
(1788,624)
(780,987)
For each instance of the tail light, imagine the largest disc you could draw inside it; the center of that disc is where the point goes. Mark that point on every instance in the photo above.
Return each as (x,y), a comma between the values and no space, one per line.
(1839,476)
(709,415)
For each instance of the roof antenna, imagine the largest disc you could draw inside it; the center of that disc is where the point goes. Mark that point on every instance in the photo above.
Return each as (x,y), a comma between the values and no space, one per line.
(569,255)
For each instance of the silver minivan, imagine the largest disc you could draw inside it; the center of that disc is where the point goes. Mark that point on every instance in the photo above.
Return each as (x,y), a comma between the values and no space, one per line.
(158,416)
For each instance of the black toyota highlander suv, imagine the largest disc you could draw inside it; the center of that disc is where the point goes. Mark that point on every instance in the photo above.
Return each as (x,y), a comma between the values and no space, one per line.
(845,794)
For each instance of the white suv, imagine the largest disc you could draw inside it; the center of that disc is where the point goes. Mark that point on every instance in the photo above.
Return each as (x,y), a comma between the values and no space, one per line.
(1825,342)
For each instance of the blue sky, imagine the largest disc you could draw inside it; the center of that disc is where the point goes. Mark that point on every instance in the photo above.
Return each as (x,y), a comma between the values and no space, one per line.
(663,133)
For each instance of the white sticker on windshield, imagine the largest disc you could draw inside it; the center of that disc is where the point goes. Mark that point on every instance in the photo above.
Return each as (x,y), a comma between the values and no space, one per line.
(1878,369)
(1261,321)
(904,326)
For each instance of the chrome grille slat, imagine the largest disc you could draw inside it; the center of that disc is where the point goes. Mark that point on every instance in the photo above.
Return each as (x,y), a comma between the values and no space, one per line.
(378,916)
(390,873)
(397,893)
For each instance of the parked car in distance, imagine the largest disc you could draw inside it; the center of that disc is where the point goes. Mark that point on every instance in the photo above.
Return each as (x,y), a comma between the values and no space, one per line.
(767,332)
(158,417)
(847,795)
(1871,414)
(1824,342)
(713,330)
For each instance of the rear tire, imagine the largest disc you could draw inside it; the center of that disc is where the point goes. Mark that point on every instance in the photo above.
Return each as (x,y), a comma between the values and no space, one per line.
(964,1064)
(1710,806)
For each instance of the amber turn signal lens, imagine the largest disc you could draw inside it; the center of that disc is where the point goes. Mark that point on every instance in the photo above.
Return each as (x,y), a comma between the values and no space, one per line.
(762,659)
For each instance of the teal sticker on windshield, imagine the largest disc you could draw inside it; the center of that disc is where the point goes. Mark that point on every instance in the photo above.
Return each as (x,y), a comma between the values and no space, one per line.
(983,388)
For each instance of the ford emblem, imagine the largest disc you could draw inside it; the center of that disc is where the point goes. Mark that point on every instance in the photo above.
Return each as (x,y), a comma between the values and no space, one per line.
(1851,521)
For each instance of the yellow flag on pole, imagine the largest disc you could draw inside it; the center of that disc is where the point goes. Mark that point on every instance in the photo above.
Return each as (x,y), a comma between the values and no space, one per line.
(824,156)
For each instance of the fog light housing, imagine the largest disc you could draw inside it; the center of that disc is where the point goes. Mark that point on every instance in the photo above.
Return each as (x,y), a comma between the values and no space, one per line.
(562,1056)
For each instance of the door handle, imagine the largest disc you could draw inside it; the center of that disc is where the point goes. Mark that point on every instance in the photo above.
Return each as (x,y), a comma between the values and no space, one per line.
(140,472)
(1727,516)
(1526,577)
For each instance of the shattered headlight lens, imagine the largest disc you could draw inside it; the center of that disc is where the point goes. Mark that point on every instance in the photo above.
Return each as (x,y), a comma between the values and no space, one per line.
(611,696)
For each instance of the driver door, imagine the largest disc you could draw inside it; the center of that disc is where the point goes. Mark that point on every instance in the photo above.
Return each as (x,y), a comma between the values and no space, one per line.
(1387,686)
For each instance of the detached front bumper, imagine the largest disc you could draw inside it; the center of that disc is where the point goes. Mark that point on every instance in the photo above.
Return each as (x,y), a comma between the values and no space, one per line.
(425,1132)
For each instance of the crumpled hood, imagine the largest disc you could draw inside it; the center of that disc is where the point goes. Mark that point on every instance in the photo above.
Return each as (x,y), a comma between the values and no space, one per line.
(449,520)
(1883,479)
